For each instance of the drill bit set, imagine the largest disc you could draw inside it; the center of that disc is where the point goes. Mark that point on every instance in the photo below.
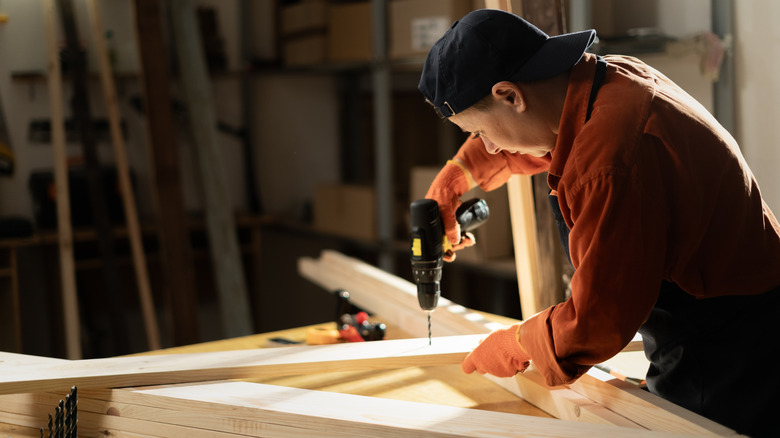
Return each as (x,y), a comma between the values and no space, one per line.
(64,422)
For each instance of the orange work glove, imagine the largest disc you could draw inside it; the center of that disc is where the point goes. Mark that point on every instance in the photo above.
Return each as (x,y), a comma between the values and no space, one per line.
(450,183)
(500,354)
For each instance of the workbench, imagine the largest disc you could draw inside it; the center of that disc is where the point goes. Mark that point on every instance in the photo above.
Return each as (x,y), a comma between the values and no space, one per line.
(402,385)
(445,385)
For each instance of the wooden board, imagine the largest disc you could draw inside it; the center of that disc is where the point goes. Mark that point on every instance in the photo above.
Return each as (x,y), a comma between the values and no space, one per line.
(180,287)
(197,367)
(643,407)
(523,218)
(64,229)
(393,297)
(125,184)
(250,409)
(220,222)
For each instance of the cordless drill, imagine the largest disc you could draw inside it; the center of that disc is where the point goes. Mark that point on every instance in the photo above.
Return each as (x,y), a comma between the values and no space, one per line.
(429,243)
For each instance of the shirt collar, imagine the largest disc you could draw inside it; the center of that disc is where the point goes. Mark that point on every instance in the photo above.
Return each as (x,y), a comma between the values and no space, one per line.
(573,116)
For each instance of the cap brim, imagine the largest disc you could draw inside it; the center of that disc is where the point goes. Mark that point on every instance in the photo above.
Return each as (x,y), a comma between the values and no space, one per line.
(558,54)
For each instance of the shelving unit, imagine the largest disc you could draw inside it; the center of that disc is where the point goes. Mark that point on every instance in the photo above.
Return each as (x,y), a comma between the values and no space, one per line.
(383,77)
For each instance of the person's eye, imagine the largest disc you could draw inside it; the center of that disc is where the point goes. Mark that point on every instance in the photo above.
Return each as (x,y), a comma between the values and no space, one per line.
(476,135)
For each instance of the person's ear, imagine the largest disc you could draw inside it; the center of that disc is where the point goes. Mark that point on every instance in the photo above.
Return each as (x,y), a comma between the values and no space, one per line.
(510,93)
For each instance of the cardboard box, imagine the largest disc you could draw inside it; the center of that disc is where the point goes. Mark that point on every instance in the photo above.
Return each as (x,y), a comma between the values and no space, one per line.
(613,18)
(345,210)
(350,32)
(306,16)
(517,6)
(305,50)
(415,25)
(494,237)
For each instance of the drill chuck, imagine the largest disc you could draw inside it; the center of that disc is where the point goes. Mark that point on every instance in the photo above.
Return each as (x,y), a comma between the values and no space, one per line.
(428,295)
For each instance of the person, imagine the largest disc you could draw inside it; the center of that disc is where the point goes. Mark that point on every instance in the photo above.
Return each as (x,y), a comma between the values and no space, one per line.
(659,213)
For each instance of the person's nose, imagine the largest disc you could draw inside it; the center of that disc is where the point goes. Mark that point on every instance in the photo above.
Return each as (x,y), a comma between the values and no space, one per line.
(490,146)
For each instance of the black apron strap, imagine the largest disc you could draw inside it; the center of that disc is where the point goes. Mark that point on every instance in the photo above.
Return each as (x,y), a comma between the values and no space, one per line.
(563,228)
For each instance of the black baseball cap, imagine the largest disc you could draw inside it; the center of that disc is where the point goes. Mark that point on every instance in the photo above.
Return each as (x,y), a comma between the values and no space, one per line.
(488,46)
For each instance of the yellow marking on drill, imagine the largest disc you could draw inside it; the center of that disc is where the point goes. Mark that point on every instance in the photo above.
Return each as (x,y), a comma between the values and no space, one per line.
(416,247)
(445,244)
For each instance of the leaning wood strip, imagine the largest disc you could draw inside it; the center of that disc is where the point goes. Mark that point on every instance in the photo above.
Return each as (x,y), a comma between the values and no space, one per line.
(125,184)
(220,223)
(523,219)
(269,362)
(70,306)
(391,296)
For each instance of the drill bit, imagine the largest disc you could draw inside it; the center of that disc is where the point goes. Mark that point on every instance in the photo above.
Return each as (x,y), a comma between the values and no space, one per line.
(429,327)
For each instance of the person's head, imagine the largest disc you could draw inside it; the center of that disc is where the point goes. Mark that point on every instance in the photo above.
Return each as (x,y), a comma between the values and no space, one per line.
(490,68)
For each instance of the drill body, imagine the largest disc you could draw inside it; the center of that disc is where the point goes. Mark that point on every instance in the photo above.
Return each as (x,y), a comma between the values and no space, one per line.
(429,243)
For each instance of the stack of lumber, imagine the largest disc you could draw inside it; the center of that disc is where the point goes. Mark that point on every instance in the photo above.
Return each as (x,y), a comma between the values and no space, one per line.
(220,408)
(230,409)
(193,399)
(597,397)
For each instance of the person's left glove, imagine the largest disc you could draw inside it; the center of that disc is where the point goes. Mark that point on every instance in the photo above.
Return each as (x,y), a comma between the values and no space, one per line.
(500,354)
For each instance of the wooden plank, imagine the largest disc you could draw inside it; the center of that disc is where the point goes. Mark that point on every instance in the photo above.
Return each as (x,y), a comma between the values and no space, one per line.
(562,402)
(523,218)
(125,185)
(358,416)
(526,385)
(522,212)
(103,424)
(537,250)
(393,297)
(362,415)
(223,244)
(105,308)
(64,229)
(180,286)
(643,407)
(248,409)
(197,367)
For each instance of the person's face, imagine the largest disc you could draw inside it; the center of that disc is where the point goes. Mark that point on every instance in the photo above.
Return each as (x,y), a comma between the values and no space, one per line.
(507,125)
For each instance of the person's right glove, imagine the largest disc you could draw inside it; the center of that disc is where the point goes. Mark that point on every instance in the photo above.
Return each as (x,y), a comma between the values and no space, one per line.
(450,183)
(500,354)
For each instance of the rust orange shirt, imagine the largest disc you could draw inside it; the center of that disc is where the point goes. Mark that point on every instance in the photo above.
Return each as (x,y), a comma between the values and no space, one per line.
(652,188)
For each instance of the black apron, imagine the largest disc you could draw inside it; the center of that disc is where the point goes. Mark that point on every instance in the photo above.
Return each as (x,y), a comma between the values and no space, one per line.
(713,356)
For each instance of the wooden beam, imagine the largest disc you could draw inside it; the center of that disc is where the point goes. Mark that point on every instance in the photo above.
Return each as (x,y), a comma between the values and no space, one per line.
(394,298)
(125,185)
(269,362)
(523,216)
(643,407)
(220,223)
(562,402)
(105,308)
(537,250)
(180,287)
(64,229)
